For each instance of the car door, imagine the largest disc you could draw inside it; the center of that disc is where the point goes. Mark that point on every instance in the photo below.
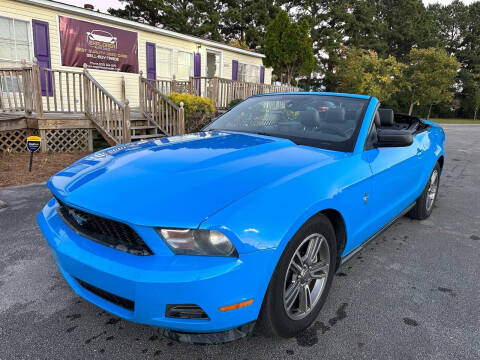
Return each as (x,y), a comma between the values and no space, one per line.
(395,178)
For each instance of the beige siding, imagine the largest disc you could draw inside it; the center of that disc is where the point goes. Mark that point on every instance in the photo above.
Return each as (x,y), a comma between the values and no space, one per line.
(112,80)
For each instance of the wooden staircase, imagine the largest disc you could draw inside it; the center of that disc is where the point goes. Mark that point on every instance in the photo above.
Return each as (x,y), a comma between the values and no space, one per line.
(141,128)
(156,117)
(63,99)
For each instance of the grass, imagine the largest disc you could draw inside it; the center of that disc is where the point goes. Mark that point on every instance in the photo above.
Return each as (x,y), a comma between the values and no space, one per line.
(456,121)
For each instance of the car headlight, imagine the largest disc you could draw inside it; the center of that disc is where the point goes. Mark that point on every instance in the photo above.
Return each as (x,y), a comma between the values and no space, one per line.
(198,242)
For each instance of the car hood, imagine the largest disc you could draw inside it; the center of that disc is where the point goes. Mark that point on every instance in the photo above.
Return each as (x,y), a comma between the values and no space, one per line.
(180,181)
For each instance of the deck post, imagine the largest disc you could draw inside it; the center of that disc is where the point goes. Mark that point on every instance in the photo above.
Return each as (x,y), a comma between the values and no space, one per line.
(43,144)
(141,92)
(215,92)
(27,88)
(190,85)
(126,122)
(181,119)
(37,88)
(90,140)
(123,90)
(86,89)
(174,86)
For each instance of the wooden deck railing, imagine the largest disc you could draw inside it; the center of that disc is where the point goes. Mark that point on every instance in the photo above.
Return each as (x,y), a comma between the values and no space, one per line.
(168,86)
(111,116)
(63,91)
(33,89)
(160,110)
(14,82)
(224,90)
(221,91)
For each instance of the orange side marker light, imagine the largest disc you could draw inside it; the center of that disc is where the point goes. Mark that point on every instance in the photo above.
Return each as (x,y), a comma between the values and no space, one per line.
(236,306)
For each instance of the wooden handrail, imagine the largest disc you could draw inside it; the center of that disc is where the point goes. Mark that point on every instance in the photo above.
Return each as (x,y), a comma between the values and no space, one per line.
(16,68)
(111,116)
(162,95)
(161,112)
(102,89)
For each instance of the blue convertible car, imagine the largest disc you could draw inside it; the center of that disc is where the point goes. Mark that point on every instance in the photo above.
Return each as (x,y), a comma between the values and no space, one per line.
(206,234)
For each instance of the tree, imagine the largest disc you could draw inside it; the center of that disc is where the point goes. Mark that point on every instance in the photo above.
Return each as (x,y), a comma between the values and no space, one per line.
(476,101)
(326,20)
(364,28)
(246,21)
(194,17)
(470,81)
(430,76)
(469,56)
(363,72)
(450,21)
(288,48)
(406,24)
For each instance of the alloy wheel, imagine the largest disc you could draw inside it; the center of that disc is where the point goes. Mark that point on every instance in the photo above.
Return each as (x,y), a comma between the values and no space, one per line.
(306,276)
(432,190)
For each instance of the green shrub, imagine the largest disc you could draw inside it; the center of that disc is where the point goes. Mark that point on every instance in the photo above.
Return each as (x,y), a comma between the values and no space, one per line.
(199,110)
(234,102)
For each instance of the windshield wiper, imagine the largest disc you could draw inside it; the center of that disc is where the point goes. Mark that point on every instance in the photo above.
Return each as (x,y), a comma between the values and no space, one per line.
(260,133)
(244,131)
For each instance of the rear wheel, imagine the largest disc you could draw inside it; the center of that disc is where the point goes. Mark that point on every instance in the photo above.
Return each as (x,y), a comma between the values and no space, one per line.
(424,204)
(301,280)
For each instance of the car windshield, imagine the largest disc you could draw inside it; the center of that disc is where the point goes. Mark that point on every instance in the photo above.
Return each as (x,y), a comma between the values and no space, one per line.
(325,121)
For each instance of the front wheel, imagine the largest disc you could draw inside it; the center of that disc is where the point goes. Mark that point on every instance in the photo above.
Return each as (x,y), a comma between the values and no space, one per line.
(424,204)
(301,281)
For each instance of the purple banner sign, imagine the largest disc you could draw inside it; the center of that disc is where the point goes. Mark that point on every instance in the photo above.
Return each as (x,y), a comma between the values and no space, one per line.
(99,46)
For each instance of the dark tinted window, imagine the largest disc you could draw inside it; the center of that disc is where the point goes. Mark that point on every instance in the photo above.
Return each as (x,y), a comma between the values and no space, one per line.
(330,122)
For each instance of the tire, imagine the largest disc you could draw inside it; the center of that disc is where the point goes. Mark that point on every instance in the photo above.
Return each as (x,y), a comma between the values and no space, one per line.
(424,204)
(275,318)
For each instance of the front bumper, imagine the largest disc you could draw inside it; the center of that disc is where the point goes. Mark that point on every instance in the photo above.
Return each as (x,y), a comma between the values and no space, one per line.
(153,282)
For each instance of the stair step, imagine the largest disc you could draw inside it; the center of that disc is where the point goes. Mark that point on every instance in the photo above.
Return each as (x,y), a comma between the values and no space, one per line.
(142,127)
(149,136)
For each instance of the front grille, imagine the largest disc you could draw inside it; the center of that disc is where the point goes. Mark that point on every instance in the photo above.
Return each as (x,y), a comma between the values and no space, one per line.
(107,232)
(117,300)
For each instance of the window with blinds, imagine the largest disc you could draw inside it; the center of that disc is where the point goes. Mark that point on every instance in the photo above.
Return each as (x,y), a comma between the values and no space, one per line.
(184,65)
(164,63)
(15,40)
(248,73)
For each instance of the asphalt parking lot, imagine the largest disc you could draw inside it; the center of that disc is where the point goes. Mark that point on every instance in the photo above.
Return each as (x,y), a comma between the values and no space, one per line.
(413,293)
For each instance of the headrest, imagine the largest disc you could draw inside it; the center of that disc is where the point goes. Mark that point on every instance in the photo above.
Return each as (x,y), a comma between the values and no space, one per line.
(351,115)
(386,117)
(308,118)
(335,116)
(376,118)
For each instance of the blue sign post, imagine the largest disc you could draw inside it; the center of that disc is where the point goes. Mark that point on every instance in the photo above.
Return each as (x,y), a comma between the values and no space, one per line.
(33,144)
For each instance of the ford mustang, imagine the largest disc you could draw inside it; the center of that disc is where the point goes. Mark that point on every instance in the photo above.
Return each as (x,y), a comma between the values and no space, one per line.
(246,222)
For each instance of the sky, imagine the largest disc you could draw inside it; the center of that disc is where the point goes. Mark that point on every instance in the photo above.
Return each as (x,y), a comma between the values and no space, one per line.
(103,5)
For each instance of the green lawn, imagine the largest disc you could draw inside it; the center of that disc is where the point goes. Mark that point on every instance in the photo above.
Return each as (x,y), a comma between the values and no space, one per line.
(456,121)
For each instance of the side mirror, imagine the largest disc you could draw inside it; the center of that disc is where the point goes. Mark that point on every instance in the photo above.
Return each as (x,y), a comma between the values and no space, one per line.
(394,138)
